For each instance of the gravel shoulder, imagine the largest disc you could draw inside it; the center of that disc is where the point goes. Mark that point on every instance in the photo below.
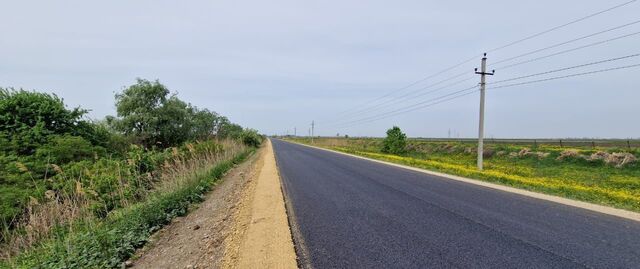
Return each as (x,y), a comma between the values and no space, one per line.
(241,224)
(267,242)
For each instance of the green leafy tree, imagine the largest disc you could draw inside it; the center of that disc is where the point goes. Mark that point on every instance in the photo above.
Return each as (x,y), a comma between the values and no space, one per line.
(227,129)
(395,142)
(174,125)
(149,113)
(204,123)
(139,107)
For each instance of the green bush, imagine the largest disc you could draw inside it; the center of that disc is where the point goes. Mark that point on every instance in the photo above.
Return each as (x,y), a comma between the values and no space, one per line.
(251,138)
(395,142)
(37,131)
(68,148)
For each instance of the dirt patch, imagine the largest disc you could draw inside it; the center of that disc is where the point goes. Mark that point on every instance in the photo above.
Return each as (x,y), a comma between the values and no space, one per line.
(198,240)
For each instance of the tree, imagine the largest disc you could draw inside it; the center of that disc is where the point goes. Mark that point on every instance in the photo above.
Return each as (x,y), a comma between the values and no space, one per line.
(205,123)
(174,125)
(395,142)
(139,108)
(150,114)
(229,130)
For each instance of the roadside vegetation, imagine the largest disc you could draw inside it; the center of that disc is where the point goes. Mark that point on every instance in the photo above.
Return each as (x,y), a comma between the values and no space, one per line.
(77,193)
(602,175)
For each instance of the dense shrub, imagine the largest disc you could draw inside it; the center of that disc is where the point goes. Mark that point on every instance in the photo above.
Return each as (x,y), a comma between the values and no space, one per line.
(395,142)
(67,148)
(251,138)
(37,131)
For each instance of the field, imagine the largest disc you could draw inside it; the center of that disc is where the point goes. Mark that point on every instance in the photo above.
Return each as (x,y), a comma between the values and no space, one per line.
(606,173)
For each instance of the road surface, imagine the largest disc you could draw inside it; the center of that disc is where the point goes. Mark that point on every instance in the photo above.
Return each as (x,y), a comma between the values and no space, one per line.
(352,213)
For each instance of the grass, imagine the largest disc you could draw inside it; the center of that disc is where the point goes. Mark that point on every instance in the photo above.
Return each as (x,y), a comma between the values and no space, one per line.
(108,242)
(575,178)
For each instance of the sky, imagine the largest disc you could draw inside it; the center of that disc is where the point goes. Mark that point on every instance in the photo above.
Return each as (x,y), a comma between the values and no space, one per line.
(278,65)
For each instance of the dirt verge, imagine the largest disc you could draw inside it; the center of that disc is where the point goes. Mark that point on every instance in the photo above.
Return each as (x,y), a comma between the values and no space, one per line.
(267,241)
(241,224)
(197,240)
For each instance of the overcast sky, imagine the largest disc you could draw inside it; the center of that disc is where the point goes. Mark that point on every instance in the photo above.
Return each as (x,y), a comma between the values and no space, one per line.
(276,65)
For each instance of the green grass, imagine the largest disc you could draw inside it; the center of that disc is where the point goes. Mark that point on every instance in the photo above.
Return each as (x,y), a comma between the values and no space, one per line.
(107,243)
(579,179)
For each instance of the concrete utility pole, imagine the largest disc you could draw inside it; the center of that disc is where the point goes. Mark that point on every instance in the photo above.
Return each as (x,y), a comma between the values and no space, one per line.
(295,132)
(312,126)
(483,73)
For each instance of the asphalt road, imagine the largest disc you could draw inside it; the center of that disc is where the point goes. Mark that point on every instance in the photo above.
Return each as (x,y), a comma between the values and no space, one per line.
(352,213)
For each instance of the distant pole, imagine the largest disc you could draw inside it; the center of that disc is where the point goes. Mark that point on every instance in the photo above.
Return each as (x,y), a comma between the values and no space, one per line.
(312,130)
(295,132)
(483,73)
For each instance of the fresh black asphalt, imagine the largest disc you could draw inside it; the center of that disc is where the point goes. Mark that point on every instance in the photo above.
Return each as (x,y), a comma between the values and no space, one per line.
(347,212)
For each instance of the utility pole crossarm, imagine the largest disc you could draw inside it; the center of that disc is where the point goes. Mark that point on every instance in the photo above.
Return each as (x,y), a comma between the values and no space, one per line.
(483,73)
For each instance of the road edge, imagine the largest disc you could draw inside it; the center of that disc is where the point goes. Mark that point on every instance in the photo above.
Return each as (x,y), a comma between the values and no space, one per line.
(630,215)
(302,254)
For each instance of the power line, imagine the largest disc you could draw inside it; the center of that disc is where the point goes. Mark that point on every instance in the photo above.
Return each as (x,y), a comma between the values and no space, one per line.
(417,104)
(567,51)
(404,96)
(567,76)
(566,68)
(491,50)
(567,42)
(438,89)
(409,86)
(465,92)
(393,101)
(431,103)
(506,80)
(561,26)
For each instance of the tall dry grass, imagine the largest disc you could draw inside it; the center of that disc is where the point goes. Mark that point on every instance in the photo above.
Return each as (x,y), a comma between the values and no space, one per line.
(58,213)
